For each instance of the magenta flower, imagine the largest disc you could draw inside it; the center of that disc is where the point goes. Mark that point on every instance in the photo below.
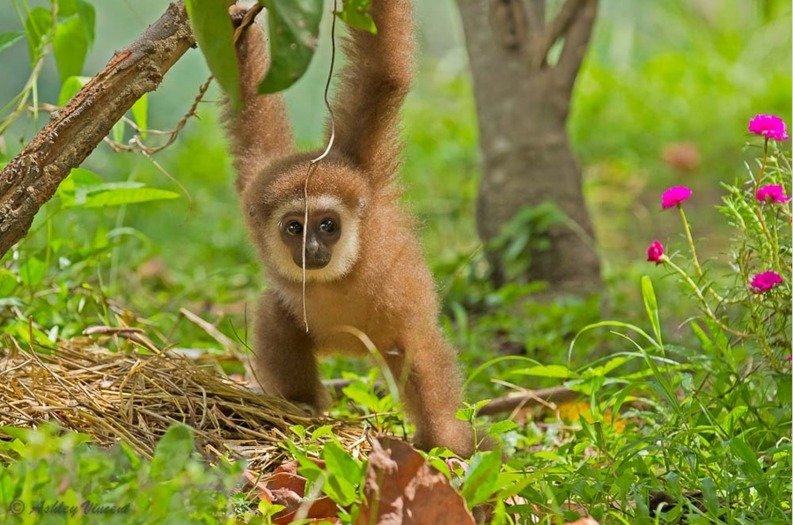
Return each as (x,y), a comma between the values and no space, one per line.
(655,251)
(674,196)
(771,193)
(768,126)
(762,282)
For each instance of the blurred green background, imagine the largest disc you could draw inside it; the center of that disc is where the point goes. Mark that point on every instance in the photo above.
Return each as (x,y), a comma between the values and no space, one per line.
(663,98)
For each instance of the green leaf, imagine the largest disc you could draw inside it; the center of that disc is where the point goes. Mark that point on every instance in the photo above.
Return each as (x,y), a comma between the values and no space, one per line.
(70,46)
(84,11)
(128,196)
(9,39)
(360,395)
(172,452)
(8,283)
(70,87)
(140,113)
(76,182)
(748,458)
(294,28)
(651,306)
(502,427)
(355,13)
(344,474)
(38,27)
(546,371)
(710,497)
(480,479)
(215,36)
(32,271)
(117,194)
(84,177)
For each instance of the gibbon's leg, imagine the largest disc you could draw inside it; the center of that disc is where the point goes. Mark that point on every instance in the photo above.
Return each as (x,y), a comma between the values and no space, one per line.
(260,130)
(432,391)
(284,363)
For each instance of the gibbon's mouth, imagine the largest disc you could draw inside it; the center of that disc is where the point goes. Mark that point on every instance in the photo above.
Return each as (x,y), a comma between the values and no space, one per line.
(313,261)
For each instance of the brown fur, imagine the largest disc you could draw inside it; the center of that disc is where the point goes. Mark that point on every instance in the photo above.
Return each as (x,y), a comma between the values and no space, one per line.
(388,294)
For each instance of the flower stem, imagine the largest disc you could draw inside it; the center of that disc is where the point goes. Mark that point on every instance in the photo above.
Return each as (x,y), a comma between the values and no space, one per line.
(759,210)
(703,302)
(693,249)
(690,239)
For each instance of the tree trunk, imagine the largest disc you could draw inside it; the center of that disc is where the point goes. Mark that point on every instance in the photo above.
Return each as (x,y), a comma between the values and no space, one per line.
(32,177)
(522,105)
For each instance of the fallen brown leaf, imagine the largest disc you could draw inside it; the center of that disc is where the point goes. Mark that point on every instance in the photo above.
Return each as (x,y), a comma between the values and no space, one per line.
(286,487)
(402,488)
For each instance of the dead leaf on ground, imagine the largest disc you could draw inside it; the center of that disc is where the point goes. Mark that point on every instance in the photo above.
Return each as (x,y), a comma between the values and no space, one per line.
(402,488)
(286,487)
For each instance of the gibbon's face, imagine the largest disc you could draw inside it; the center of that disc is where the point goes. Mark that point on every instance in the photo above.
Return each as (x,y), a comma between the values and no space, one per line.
(331,239)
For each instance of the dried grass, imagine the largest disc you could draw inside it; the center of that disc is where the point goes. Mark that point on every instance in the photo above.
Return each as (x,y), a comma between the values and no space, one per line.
(115,396)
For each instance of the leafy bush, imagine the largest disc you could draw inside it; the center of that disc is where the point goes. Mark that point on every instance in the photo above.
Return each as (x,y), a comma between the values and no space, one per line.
(48,477)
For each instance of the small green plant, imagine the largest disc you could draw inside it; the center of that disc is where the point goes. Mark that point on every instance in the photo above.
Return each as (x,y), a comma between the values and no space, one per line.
(51,477)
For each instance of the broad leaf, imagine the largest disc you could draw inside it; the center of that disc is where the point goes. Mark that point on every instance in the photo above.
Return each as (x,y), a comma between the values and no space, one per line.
(481,476)
(355,13)
(70,46)
(294,28)
(215,36)
(172,452)
(121,197)
(32,271)
(84,11)
(343,474)
(115,194)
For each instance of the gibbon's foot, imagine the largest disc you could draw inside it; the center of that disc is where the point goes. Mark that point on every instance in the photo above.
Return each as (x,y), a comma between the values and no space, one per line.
(456,435)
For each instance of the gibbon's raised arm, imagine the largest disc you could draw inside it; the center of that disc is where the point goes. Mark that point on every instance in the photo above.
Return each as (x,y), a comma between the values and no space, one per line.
(260,131)
(373,86)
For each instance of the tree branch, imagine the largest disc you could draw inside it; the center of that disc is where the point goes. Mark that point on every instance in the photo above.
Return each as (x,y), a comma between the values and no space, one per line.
(576,43)
(535,11)
(32,177)
(528,398)
(555,29)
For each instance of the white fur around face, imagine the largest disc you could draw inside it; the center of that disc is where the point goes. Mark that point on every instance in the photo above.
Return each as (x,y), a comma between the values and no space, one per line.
(345,251)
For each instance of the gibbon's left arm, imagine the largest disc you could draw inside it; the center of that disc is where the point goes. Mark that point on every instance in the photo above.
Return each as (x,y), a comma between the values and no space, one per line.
(260,131)
(373,86)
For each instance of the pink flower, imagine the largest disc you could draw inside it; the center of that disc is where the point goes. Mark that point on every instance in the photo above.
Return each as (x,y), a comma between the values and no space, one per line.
(655,251)
(768,126)
(674,196)
(771,193)
(762,282)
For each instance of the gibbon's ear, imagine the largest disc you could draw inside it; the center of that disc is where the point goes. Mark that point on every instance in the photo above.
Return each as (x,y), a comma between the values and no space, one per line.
(260,131)
(373,86)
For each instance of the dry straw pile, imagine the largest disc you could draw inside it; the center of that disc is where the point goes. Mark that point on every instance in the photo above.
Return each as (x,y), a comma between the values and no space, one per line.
(114,396)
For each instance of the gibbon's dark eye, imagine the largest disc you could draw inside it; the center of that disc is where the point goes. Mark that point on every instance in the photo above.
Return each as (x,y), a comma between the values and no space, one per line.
(294,228)
(328,226)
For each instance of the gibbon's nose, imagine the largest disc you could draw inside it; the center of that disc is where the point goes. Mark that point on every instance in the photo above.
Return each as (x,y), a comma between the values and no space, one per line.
(317,255)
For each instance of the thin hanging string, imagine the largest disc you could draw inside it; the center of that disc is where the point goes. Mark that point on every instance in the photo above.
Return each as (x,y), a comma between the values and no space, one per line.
(313,164)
